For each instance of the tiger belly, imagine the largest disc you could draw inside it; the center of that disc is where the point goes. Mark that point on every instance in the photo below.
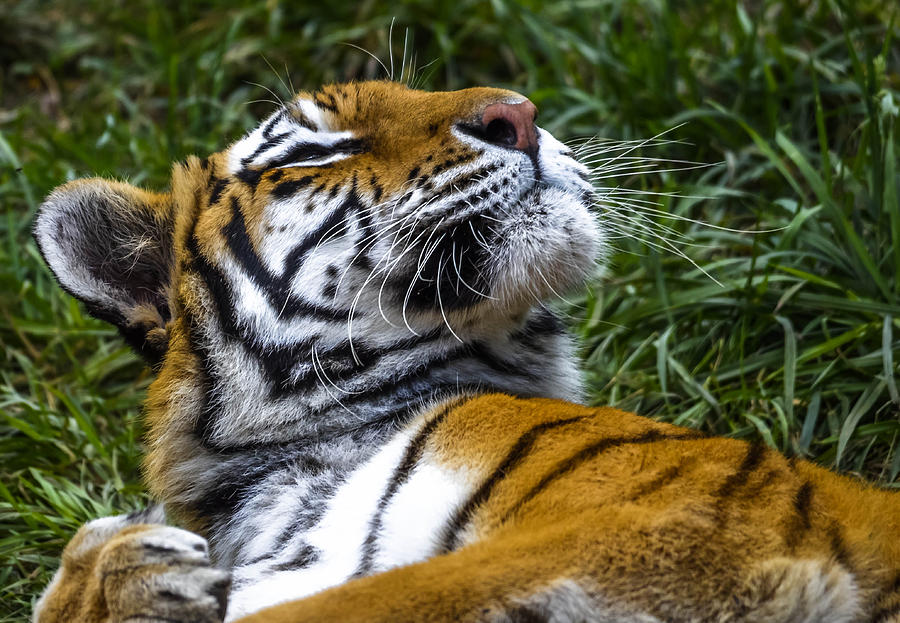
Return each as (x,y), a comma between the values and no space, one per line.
(391,511)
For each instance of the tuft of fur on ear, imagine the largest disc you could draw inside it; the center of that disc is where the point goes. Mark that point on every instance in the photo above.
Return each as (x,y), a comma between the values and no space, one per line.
(111,245)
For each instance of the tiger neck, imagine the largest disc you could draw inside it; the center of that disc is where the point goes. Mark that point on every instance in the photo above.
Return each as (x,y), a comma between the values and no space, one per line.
(247,414)
(259,394)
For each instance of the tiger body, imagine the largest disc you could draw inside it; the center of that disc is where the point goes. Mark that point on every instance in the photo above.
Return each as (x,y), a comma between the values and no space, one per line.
(332,303)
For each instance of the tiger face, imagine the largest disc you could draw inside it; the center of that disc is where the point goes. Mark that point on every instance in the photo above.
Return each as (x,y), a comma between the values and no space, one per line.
(366,249)
(427,207)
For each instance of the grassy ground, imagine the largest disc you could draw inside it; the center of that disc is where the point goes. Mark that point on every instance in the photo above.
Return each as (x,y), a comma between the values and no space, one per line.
(796,102)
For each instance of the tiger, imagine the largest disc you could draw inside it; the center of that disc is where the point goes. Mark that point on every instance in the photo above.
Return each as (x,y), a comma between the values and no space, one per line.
(366,410)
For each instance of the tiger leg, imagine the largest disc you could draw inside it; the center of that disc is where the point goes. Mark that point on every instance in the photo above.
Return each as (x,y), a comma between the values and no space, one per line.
(123,569)
(555,576)
(497,581)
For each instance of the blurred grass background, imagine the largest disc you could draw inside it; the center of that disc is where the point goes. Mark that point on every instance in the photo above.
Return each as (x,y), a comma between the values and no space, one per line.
(793,102)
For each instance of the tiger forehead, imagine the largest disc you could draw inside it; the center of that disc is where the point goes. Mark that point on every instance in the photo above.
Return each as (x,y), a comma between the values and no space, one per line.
(379,107)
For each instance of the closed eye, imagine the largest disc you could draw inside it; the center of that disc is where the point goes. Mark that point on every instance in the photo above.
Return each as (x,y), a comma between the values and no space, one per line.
(315,154)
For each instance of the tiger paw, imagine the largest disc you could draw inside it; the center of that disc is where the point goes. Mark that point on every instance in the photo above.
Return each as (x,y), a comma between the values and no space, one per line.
(160,573)
(115,570)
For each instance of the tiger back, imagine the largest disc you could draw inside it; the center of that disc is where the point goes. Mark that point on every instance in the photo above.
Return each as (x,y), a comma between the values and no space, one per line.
(366,411)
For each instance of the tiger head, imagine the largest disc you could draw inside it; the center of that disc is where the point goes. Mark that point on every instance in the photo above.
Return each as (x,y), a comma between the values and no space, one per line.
(362,231)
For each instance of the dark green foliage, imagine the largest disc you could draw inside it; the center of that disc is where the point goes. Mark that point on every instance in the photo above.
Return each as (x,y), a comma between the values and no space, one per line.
(794,105)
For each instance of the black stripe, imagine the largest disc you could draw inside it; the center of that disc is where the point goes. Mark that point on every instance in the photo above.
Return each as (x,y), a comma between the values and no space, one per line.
(271,123)
(735,481)
(309,515)
(885,612)
(665,477)
(277,287)
(411,458)
(218,187)
(801,522)
(460,186)
(838,548)
(516,455)
(209,382)
(274,141)
(590,452)
(314,151)
(414,384)
(326,101)
(452,162)
(290,187)
(305,557)
(250,177)
(754,456)
(170,596)
(364,240)
(141,515)
(217,287)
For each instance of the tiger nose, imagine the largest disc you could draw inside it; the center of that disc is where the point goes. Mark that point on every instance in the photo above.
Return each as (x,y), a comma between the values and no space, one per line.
(511,125)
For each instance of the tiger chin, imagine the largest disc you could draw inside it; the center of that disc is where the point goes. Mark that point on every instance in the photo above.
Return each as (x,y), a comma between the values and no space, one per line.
(364,412)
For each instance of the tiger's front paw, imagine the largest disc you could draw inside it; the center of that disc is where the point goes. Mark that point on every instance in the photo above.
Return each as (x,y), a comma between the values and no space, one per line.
(160,573)
(119,569)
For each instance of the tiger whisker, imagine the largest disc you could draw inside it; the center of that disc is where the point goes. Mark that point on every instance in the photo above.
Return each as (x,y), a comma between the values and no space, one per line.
(678,217)
(393,265)
(271,92)
(614,209)
(628,226)
(440,302)
(403,60)
(359,293)
(362,49)
(391,47)
(644,143)
(264,101)
(418,271)
(638,171)
(460,278)
(278,75)
(325,386)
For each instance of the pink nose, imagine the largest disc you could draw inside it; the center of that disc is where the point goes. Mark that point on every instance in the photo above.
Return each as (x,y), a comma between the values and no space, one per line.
(511,125)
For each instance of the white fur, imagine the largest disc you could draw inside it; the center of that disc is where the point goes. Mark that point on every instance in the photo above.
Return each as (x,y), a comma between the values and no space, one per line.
(339,536)
(420,509)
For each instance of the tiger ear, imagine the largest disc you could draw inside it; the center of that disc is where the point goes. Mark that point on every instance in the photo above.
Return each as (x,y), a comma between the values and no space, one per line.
(111,245)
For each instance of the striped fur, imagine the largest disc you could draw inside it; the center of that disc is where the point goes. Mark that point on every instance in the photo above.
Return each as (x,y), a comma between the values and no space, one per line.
(322,300)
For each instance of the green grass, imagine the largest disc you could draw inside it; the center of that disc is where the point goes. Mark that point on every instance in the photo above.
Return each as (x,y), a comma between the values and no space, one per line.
(794,106)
